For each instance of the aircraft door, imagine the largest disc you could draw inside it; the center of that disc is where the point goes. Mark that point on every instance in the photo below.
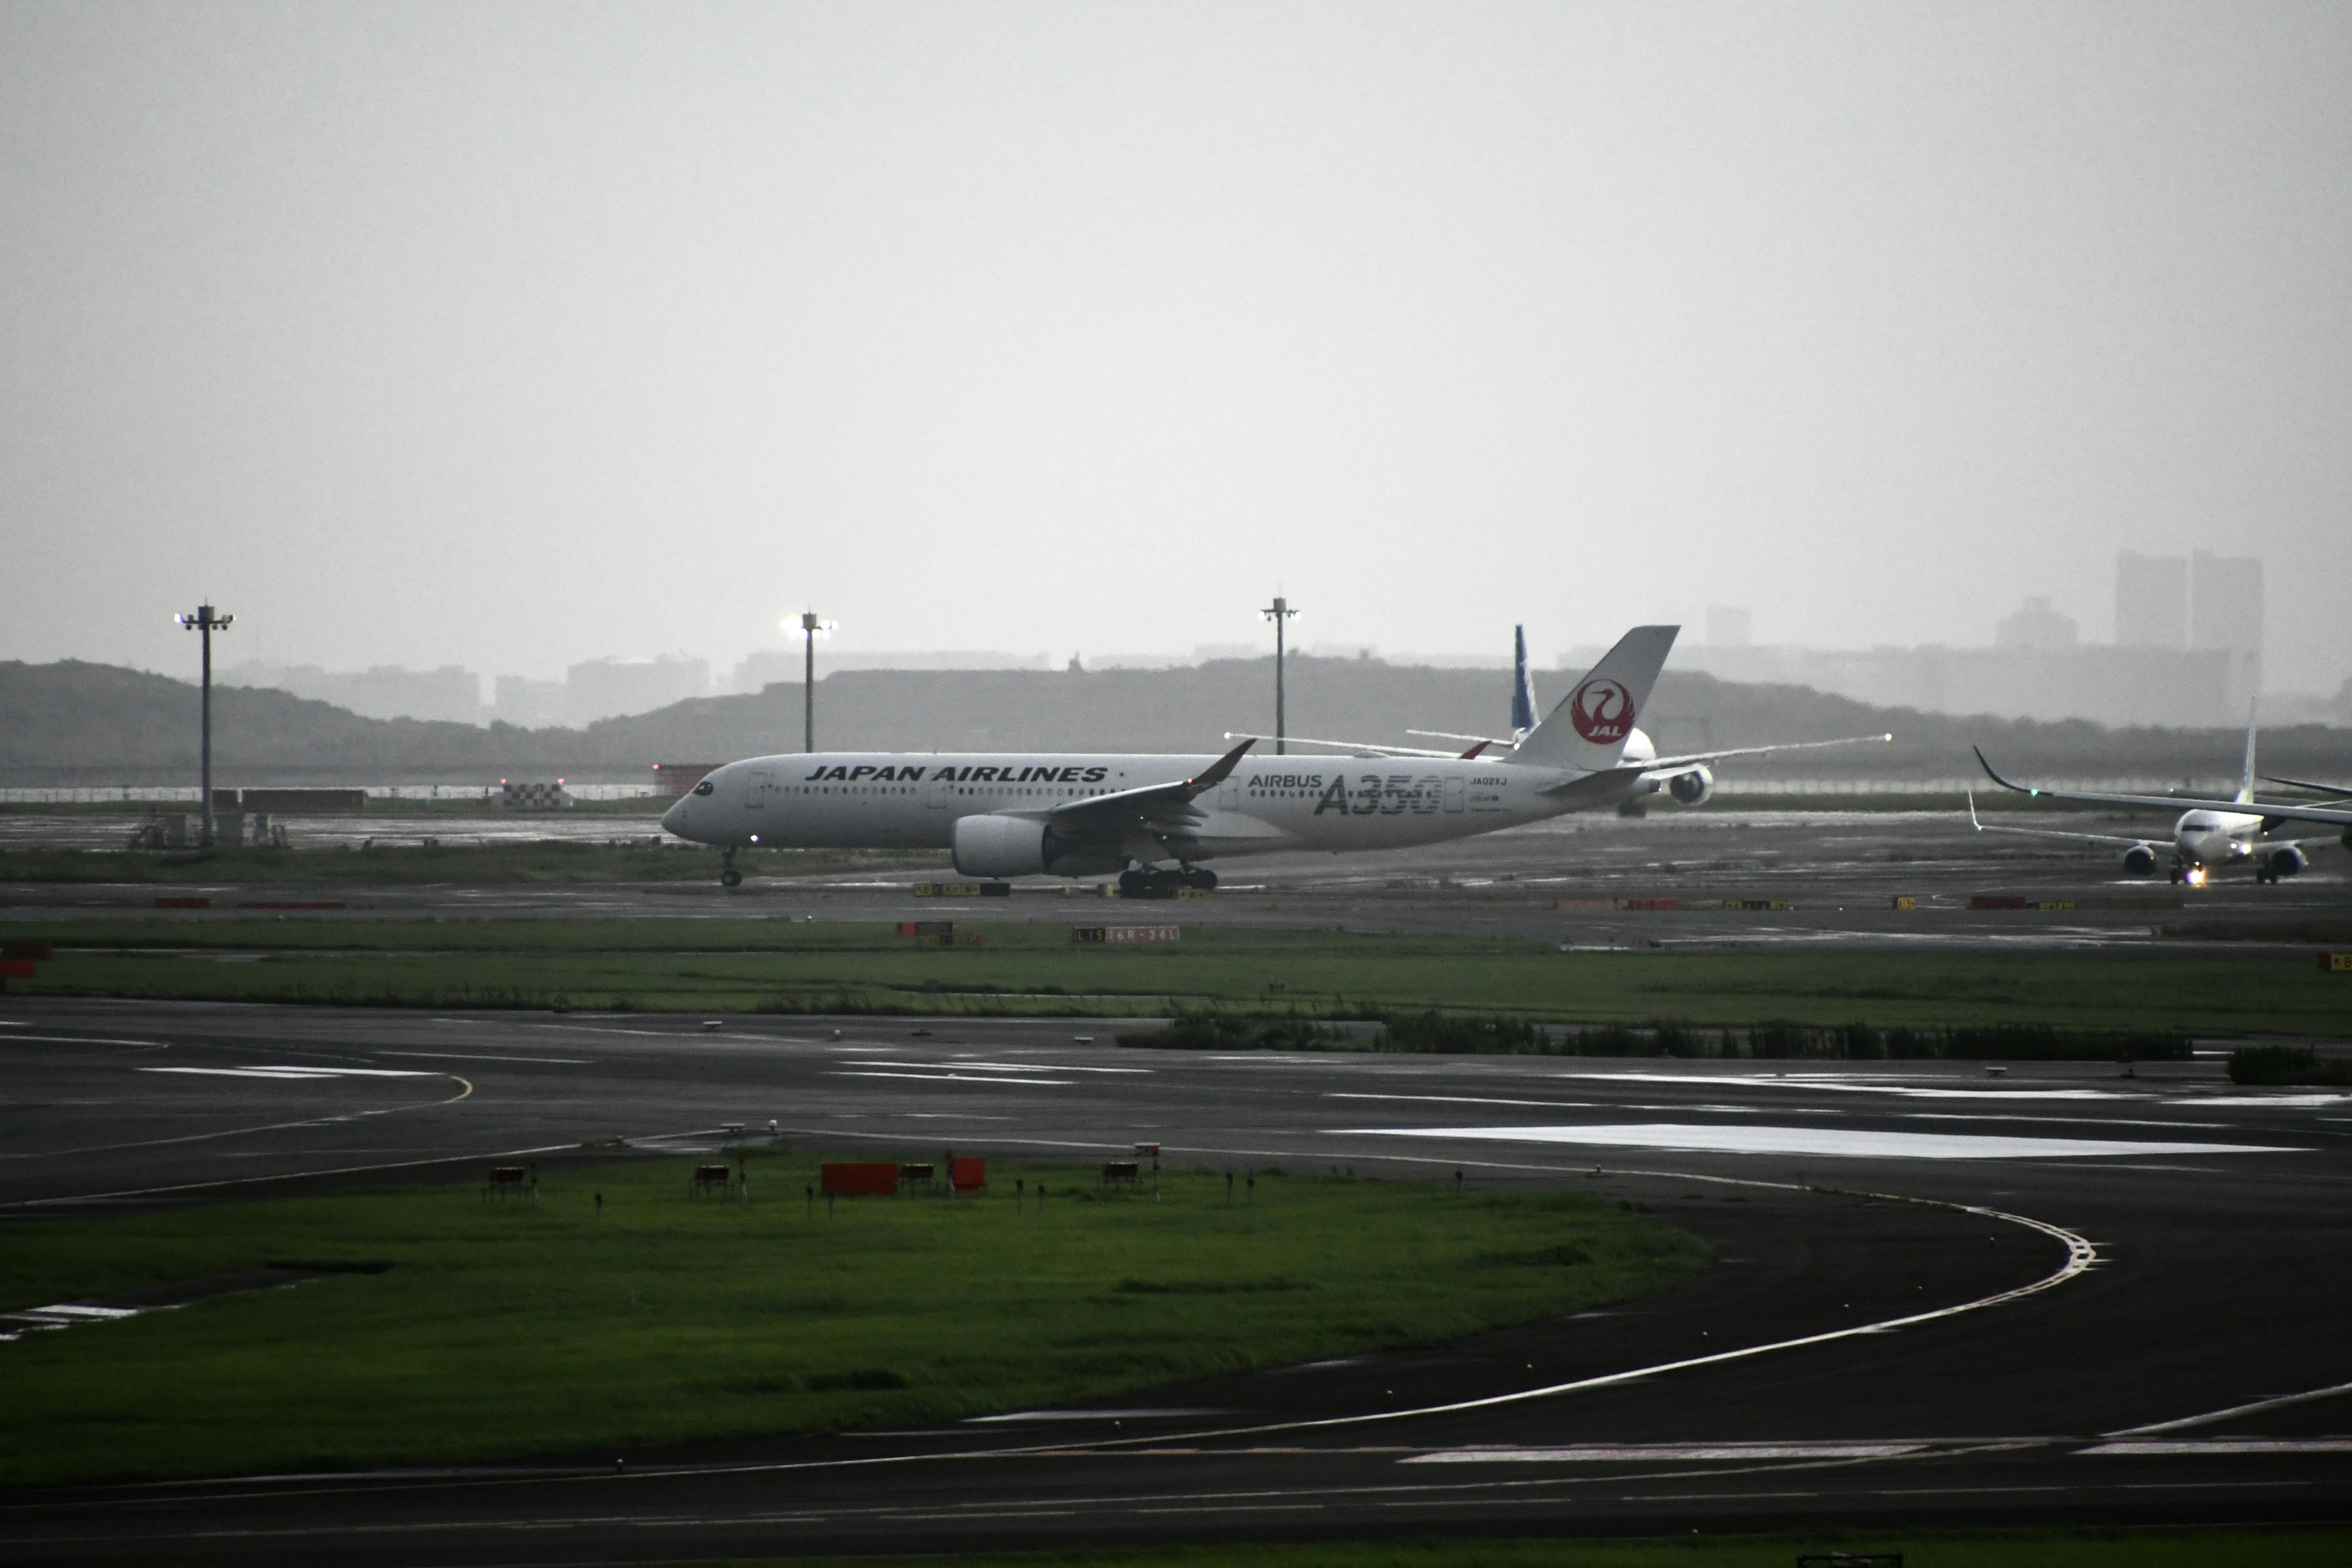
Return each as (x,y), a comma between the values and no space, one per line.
(1453,794)
(755,793)
(935,793)
(1229,797)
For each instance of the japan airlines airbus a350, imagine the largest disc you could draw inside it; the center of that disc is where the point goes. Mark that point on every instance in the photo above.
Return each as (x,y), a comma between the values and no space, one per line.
(1154,819)
(2211,835)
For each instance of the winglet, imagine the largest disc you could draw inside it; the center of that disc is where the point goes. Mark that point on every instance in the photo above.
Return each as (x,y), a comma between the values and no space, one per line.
(1996,778)
(1972,810)
(1214,774)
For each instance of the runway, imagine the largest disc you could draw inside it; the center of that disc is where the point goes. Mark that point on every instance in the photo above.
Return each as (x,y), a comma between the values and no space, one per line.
(1939,1295)
(1795,877)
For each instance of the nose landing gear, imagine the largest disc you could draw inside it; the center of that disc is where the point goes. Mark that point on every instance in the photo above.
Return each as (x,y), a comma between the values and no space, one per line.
(727,876)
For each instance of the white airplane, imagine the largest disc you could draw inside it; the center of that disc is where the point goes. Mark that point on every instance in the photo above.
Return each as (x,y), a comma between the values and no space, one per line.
(2211,835)
(1687,779)
(1154,819)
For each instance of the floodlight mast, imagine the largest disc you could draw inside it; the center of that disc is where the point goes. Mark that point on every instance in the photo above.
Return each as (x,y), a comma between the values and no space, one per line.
(811,628)
(205,621)
(1278,612)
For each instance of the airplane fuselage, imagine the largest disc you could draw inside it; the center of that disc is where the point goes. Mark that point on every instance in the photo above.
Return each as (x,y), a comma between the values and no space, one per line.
(912,801)
(2207,841)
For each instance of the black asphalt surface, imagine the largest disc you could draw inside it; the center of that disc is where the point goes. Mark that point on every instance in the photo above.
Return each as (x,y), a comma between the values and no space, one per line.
(1907,1324)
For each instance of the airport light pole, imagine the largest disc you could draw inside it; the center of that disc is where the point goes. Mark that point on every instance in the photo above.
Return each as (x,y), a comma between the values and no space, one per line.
(1278,612)
(811,628)
(205,621)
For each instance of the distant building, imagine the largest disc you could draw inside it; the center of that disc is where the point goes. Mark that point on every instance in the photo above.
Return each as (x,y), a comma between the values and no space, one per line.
(530,704)
(1729,626)
(2225,602)
(2151,600)
(606,689)
(2036,628)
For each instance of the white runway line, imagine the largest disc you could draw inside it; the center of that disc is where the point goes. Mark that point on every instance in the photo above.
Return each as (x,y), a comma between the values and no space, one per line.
(1170,1413)
(2223,1446)
(1846,1142)
(2253,1407)
(999,1082)
(959,1064)
(1828,1085)
(1664,1453)
(75,1040)
(1484,1099)
(478,1057)
(267,1071)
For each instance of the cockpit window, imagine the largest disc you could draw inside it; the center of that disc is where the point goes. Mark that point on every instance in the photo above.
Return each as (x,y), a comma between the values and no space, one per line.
(706,787)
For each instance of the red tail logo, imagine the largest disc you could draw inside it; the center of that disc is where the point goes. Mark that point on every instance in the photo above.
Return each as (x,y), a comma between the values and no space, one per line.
(1602,713)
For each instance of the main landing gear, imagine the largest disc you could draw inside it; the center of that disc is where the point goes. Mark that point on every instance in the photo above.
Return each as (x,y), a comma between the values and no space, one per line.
(727,876)
(1154,882)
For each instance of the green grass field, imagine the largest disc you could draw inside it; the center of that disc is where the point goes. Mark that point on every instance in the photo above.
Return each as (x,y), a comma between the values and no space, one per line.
(498,1329)
(2322,1547)
(1035,968)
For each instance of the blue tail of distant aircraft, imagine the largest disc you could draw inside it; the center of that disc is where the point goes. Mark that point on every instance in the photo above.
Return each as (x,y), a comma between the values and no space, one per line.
(1523,689)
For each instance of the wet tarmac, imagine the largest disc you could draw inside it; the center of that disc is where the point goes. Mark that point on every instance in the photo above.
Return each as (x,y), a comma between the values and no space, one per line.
(1939,1297)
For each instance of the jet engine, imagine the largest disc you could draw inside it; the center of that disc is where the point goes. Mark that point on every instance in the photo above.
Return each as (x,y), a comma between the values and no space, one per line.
(1000,846)
(2285,860)
(2139,860)
(1693,788)
(993,846)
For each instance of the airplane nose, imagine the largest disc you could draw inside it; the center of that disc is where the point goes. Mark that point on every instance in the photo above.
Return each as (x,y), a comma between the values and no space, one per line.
(674,820)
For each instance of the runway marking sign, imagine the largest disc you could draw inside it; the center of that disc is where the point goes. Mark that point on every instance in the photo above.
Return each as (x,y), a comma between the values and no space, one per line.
(1125,936)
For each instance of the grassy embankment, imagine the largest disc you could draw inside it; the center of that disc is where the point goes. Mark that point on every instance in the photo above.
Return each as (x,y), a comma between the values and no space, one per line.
(503,1328)
(2317,1547)
(553,860)
(1034,968)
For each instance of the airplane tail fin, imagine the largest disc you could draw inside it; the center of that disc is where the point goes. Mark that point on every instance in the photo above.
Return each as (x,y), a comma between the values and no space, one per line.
(1523,688)
(2246,781)
(1591,726)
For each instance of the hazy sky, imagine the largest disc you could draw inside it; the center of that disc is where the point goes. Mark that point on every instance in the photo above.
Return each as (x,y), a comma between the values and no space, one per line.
(512,335)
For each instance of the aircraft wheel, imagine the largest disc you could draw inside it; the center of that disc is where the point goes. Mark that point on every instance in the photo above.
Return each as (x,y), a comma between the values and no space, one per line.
(1199,876)
(1131,885)
(731,878)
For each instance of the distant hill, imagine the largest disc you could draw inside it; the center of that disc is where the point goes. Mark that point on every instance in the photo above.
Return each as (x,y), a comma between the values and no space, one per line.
(75,723)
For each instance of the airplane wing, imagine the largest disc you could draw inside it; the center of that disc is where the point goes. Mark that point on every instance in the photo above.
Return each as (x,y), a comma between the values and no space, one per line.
(2083,838)
(1450,736)
(1158,807)
(1356,748)
(1605,785)
(2304,783)
(2269,810)
(1694,757)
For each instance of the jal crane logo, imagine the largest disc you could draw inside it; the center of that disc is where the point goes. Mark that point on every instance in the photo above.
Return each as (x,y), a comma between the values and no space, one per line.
(1603,712)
